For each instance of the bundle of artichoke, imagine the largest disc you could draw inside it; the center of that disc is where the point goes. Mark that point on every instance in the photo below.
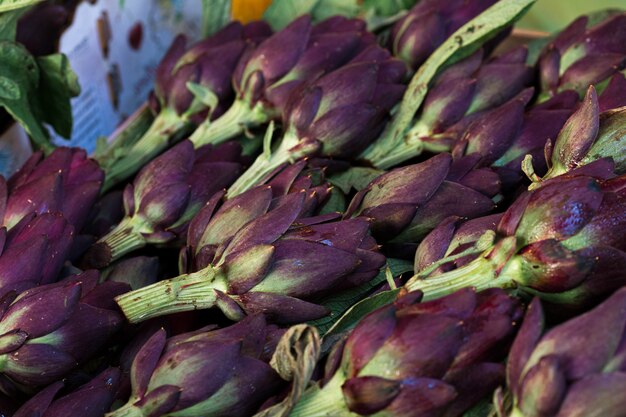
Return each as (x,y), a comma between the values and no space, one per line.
(358,210)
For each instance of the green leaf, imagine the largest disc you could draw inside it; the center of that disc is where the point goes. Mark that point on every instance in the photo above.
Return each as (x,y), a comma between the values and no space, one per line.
(342,302)
(484,408)
(282,12)
(336,203)
(19,75)
(387,7)
(58,84)
(391,146)
(203,98)
(352,317)
(355,177)
(294,360)
(8,23)
(215,15)
(327,8)
(8,5)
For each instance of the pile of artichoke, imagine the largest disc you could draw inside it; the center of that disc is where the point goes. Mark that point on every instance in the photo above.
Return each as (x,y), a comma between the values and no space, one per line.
(330,218)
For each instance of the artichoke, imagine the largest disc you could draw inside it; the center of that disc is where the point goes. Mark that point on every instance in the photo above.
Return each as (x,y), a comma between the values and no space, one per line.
(165,196)
(92,399)
(257,253)
(336,116)
(202,373)
(48,331)
(463,92)
(66,181)
(437,358)
(190,86)
(562,242)
(428,24)
(595,131)
(584,53)
(33,251)
(265,78)
(404,204)
(576,369)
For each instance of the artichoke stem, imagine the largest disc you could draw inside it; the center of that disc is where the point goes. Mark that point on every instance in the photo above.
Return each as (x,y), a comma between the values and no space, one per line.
(237,118)
(325,402)
(126,237)
(183,293)
(289,150)
(388,151)
(167,128)
(480,274)
(516,412)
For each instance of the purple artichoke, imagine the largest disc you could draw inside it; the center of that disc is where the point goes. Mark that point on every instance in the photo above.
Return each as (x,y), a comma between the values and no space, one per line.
(33,251)
(428,24)
(216,224)
(461,94)
(403,205)
(165,196)
(90,400)
(257,253)
(336,116)
(583,55)
(66,181)
(595,131)
(48,331)
(576,369)
(266,77)
(433,359)
(202,373)
(191,85)
(563,242)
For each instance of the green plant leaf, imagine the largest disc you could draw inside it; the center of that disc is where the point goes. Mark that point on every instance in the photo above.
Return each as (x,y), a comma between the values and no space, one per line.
(58,84)
(354,314)
(9,5)
(8,23)
(215,15)
(327,8)
(203,98)
(387,7)
(355,177)
(342,302)
(391,146)
(19,80)
(483,409)
(282,12)
(336,202)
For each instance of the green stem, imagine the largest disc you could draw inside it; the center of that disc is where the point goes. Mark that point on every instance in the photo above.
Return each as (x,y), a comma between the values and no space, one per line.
(126,237)
(516,412)
(127,410)
(325,402)
(237,118)
(183,293)
(482,244)
(385,153)
(126,135)
(491,270)
(167,128)
(289,150)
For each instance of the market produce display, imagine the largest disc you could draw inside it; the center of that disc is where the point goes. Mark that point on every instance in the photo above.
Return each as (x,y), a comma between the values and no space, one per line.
(389,210)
